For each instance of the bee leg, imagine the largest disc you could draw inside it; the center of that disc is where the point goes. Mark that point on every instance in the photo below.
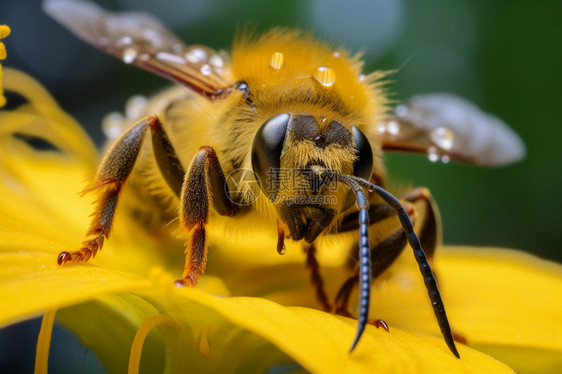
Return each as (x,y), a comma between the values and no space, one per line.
(427,213)
(383,255)
(430,231)
(110,178)
(204,179)
(377,213)
(316,278)
(387,251)
(421,259)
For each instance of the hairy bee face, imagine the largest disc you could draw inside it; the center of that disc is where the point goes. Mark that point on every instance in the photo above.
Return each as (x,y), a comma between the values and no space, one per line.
(289,153)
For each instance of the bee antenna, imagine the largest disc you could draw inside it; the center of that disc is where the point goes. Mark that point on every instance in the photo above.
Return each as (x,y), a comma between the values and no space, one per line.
(365,272)
(419,254)
(356,184)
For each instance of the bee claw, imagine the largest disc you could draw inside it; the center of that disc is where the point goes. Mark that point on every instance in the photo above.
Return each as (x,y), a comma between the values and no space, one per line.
(63,258)
(186,281)
(379,323)
(459,338)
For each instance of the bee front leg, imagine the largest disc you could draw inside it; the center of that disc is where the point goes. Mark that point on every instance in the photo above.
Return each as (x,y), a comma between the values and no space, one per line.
(204,179)
(112,174)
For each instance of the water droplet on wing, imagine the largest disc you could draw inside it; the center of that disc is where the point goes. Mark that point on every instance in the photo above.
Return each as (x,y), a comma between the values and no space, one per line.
(432,154)
(129,55)
(442,137)
(195,55)
(206,69)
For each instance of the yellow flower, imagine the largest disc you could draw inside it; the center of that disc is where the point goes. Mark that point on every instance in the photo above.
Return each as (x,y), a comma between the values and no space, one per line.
(4,31)
(257,317)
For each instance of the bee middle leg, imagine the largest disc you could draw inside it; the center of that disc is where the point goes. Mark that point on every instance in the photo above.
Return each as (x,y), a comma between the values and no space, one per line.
(204,179)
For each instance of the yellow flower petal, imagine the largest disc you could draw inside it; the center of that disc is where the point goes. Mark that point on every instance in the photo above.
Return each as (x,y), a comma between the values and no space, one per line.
(320,341)
(42,117)
(4,31)
(108,326)
(33,282)
(514,308)
(231,348)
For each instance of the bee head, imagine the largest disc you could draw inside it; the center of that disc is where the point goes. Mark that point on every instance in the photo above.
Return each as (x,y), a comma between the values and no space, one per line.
(289,153)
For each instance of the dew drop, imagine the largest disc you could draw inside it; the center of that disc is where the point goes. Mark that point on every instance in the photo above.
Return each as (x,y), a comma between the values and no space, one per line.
(393,128)
(337,54)
(442,137)
(401,110)
(325,75)
(432,154)
(169,57)
(124,41)
(445,159)
(206,69)
(112,125)
(216,61)
(277,60)
(362,78)
(196,55)
(129,55)
(134,106)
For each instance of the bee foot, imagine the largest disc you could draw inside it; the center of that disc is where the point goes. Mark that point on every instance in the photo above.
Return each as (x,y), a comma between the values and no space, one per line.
(63,258)
(91,247)
(378,323)
(188,280)
(459,338)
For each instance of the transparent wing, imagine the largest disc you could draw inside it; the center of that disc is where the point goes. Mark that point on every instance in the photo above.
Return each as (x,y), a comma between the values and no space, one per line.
(140,39)
(445,127)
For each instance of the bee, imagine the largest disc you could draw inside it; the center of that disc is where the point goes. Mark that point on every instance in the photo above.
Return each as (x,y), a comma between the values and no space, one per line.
(288,131)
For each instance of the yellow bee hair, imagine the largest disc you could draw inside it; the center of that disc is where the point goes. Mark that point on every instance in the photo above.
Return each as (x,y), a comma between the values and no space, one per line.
(361,97)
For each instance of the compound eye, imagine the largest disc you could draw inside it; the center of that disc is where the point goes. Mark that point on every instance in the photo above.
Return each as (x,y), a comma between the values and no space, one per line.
(363,165)
(266,152)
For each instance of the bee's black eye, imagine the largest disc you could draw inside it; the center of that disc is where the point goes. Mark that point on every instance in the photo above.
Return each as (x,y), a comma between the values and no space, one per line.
(363,165)
(266,151)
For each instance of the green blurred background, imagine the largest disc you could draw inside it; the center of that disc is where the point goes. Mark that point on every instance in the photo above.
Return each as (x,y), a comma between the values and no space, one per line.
(506,56)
